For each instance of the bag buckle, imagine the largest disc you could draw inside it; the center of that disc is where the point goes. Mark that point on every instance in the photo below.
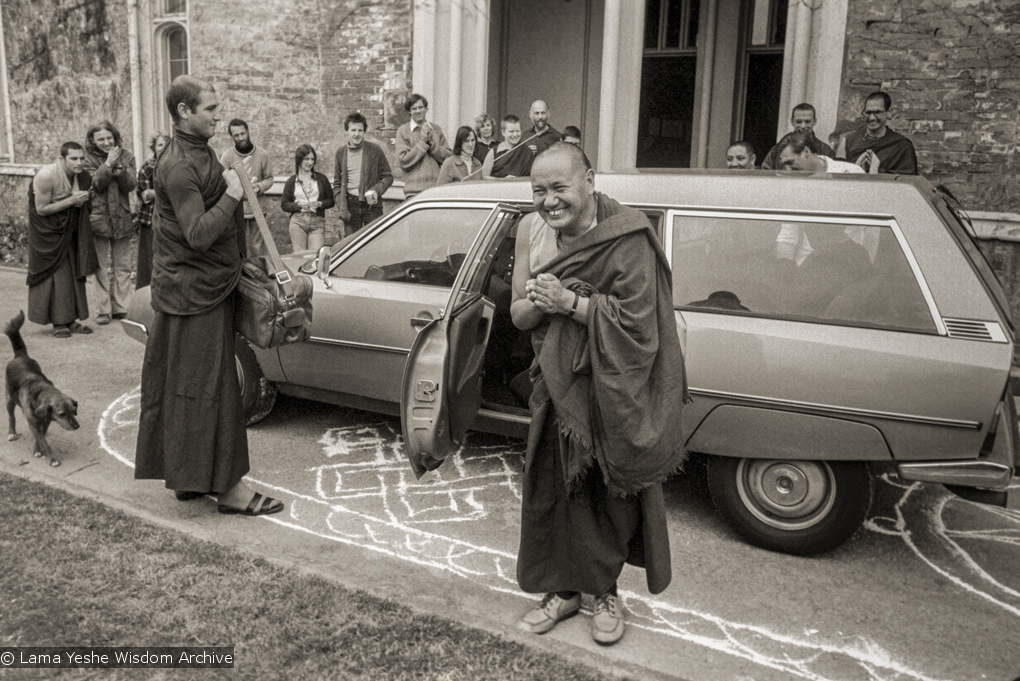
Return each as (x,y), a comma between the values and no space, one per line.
(283,276)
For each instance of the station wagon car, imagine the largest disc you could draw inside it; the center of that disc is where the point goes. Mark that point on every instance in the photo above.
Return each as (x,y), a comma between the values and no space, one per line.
(834,323)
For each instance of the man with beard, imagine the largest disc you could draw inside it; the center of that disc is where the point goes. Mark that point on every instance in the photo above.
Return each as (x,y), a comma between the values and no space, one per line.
(594,287)
(256,162)
(893,152)
(191,431)
(60,251)
(508,158)
(542,134)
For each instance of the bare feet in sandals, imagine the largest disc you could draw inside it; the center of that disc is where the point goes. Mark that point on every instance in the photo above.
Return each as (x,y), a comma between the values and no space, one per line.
(240,500)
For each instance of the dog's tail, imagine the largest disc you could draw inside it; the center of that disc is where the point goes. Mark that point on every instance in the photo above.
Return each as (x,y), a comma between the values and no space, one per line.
(12,331)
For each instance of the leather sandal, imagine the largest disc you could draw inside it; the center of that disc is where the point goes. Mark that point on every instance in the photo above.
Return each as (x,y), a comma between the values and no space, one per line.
(259,505)
(103,319)
(185,495)
(79,328)
(61,332)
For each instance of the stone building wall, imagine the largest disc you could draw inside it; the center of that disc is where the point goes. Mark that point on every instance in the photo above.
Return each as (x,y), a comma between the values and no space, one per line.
(952,68)
(294,69)
(67,65)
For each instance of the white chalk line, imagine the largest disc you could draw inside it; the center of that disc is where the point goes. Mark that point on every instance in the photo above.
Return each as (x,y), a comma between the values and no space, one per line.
(398,538)
(940,538)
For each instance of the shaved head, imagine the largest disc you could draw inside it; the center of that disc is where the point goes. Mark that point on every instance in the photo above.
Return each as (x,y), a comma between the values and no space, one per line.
(539,115)
(578,159)
(563,188)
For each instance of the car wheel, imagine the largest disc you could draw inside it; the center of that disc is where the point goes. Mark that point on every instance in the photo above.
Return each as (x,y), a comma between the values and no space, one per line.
(258,395)
(796,507)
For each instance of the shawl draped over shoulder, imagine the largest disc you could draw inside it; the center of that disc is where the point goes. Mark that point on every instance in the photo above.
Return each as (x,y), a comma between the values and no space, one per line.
(54,236)
(895,152)
(618,384)
(516,162)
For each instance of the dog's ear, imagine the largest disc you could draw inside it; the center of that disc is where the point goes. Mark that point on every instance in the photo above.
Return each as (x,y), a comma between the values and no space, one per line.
(42,412)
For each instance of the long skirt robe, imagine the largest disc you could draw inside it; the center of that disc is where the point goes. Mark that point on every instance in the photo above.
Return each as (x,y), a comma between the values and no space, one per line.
(192,431)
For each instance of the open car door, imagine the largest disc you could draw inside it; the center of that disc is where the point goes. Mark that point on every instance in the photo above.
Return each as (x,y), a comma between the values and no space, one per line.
(442,386)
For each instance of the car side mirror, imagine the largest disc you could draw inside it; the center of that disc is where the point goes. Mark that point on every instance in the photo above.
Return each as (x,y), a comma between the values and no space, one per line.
(322,266)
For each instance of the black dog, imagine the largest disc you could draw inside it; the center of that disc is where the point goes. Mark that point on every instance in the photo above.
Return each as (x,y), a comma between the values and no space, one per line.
(40,402)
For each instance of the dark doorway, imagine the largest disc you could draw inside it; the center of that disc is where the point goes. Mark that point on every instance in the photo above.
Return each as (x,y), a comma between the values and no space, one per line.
(761,103)
(668,75)
(760,82)
(667,112)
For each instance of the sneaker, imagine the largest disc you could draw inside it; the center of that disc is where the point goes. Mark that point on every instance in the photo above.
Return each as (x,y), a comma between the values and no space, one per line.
(548,612)
(607,622)
(119,315)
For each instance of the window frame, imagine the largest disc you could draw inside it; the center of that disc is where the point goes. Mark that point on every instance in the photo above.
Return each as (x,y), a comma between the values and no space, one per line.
(804,217)
(391,219)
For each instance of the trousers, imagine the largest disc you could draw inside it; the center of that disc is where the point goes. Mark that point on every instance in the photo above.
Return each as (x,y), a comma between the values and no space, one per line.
(113,278)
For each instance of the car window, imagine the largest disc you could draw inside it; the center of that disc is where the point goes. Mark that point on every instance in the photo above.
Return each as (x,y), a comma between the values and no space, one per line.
(425,247)
(851,274)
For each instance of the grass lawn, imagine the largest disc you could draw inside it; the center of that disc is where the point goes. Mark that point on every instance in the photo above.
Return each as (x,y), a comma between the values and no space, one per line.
(74,572)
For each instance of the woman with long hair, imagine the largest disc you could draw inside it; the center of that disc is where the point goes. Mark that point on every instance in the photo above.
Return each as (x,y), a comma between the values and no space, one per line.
(463,162)
(306,196)
(485,136)
(113,179)
(146,201)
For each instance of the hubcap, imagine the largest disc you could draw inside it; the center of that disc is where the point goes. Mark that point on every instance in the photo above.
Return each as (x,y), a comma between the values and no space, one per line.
(789,495)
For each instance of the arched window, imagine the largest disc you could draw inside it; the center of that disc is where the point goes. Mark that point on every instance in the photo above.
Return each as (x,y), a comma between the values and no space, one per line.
(176,42)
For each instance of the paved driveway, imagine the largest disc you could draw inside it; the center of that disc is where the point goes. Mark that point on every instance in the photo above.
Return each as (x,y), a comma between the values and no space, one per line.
(928,589)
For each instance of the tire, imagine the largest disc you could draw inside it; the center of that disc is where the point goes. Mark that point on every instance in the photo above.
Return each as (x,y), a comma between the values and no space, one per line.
(832,500)
(258,395)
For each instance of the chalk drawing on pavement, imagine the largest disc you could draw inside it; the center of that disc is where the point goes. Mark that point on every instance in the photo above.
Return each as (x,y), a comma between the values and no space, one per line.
(363,493)
(921,522)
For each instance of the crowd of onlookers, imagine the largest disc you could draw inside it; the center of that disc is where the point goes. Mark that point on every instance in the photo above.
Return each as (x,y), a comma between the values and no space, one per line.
(874,148)
(122,202)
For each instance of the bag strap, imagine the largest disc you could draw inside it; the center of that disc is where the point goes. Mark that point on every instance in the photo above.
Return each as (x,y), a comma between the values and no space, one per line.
(282,274)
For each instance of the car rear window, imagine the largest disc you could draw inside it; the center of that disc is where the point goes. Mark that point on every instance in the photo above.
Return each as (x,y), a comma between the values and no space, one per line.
(425,247)
(836,273)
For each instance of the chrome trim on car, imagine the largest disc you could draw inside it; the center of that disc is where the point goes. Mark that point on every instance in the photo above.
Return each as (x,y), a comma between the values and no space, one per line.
(360,346)
(135,331)
(504,416)
(803,216)
(972,329)
(964,473)
(867,220)
(399,213)
(919,277)
(833,409)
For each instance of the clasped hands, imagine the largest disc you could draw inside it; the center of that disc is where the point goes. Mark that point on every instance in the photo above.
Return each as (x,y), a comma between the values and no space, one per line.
(548,295)
(112,156)
(869,161)
(79,198)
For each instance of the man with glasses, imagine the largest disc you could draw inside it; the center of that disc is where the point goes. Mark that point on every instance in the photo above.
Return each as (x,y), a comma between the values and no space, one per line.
(421,148)
(893,152)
